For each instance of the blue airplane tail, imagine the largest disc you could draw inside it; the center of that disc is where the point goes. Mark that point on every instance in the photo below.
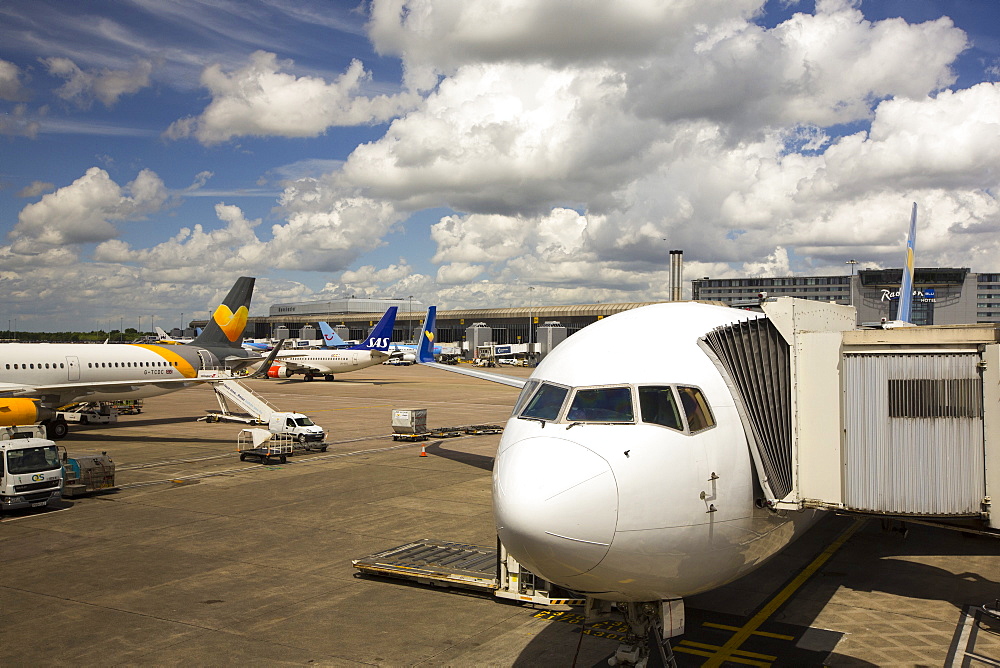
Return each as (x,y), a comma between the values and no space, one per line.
(330,338)
(425,347)
(903,312)
(381,334)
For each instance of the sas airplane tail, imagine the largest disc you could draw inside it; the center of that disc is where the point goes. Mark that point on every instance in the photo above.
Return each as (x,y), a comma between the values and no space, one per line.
(381,334)
(425,346)
(225,329)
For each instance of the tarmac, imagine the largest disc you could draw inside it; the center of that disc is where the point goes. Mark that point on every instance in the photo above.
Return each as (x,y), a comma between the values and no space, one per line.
(202,559)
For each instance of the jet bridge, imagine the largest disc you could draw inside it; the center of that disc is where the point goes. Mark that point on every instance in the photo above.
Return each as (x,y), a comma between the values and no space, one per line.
(901,422)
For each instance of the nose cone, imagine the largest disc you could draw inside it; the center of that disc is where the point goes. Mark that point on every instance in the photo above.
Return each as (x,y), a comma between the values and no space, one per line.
(555,504)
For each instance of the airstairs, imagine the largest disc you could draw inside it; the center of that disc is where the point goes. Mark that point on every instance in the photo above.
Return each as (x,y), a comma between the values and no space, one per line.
(900,422)
(238,402)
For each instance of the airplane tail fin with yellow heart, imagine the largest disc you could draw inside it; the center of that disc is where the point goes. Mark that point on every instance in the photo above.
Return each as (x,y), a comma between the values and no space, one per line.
(225,328)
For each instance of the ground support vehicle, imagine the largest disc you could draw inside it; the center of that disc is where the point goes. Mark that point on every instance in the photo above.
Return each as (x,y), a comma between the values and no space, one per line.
(410,437)
(409,424)
(448,564)
(104,412)
(447,432)
(477,429)
(257,411)
(31,471)
(129,406)
(87,473)
(264,446)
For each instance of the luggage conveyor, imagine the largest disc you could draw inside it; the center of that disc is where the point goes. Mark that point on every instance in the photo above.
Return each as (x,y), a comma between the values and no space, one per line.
(449,564)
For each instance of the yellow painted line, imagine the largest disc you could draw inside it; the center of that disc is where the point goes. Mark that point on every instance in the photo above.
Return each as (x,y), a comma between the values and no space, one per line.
(725,653)
(734,659)
(741,652)
(727,627)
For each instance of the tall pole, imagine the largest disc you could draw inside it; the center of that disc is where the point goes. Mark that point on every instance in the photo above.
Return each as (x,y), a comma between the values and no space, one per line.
(851,288)
(409,319)
(531,318)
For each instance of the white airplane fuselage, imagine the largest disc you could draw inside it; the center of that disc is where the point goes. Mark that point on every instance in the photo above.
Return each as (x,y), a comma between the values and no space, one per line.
(109,366)
(327,362)
(636,511)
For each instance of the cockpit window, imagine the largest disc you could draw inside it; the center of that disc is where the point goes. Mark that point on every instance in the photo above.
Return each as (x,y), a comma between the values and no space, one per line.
(605,404)
(695,408)
(658,406)
(526,392)
(545,403)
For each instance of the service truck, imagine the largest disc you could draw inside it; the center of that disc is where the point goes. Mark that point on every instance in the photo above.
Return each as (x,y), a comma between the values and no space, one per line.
(31,471)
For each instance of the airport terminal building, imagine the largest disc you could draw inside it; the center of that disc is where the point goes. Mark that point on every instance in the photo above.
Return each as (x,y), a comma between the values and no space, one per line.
(508,325)
(942,296)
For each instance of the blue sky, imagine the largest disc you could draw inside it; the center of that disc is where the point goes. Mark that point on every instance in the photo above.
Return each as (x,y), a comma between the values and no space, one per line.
(477,154)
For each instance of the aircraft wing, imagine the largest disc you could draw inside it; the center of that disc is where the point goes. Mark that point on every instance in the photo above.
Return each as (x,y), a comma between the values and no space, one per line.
(425,356)
(82,389)
(297,365)
(513,381)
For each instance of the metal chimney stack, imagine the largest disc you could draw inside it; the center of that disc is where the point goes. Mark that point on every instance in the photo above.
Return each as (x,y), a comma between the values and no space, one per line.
(676,275)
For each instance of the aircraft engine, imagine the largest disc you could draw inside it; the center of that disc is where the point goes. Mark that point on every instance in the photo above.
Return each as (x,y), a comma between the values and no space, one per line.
(279,371)
(22,412)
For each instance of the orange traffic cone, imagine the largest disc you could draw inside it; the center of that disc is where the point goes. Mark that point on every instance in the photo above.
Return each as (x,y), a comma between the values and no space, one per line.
(423,450)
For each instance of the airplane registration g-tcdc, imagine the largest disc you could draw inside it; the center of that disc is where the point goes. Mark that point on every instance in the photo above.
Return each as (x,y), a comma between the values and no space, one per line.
(38,378)
(628,478)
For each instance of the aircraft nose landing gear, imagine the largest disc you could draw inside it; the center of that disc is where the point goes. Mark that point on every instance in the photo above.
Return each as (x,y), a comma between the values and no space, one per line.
(651,625)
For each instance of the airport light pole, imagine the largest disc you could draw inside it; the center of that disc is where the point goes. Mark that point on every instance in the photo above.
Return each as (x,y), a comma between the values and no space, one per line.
(409,318)
(531,289)
(851,288)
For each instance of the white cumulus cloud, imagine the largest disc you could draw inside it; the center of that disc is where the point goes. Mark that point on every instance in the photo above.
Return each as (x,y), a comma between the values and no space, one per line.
(261,99)
(87,209)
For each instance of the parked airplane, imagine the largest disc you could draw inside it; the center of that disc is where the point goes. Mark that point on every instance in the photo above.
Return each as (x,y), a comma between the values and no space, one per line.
(38,378)
(326,363)
(163,337)
(408,351)
(404,351)
(628,478)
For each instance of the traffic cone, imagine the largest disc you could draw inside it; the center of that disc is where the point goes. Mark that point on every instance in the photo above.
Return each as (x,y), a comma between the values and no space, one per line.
(423,450)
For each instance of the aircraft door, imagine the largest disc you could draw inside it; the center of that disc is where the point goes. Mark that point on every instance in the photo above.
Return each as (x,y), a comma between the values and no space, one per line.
(72,368)
(207,359)
(355,359)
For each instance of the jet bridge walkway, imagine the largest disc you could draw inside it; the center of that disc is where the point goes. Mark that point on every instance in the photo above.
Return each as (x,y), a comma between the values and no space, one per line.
(901,422)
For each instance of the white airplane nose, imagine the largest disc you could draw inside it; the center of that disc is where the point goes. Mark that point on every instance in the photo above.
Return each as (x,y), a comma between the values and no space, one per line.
(555,504)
